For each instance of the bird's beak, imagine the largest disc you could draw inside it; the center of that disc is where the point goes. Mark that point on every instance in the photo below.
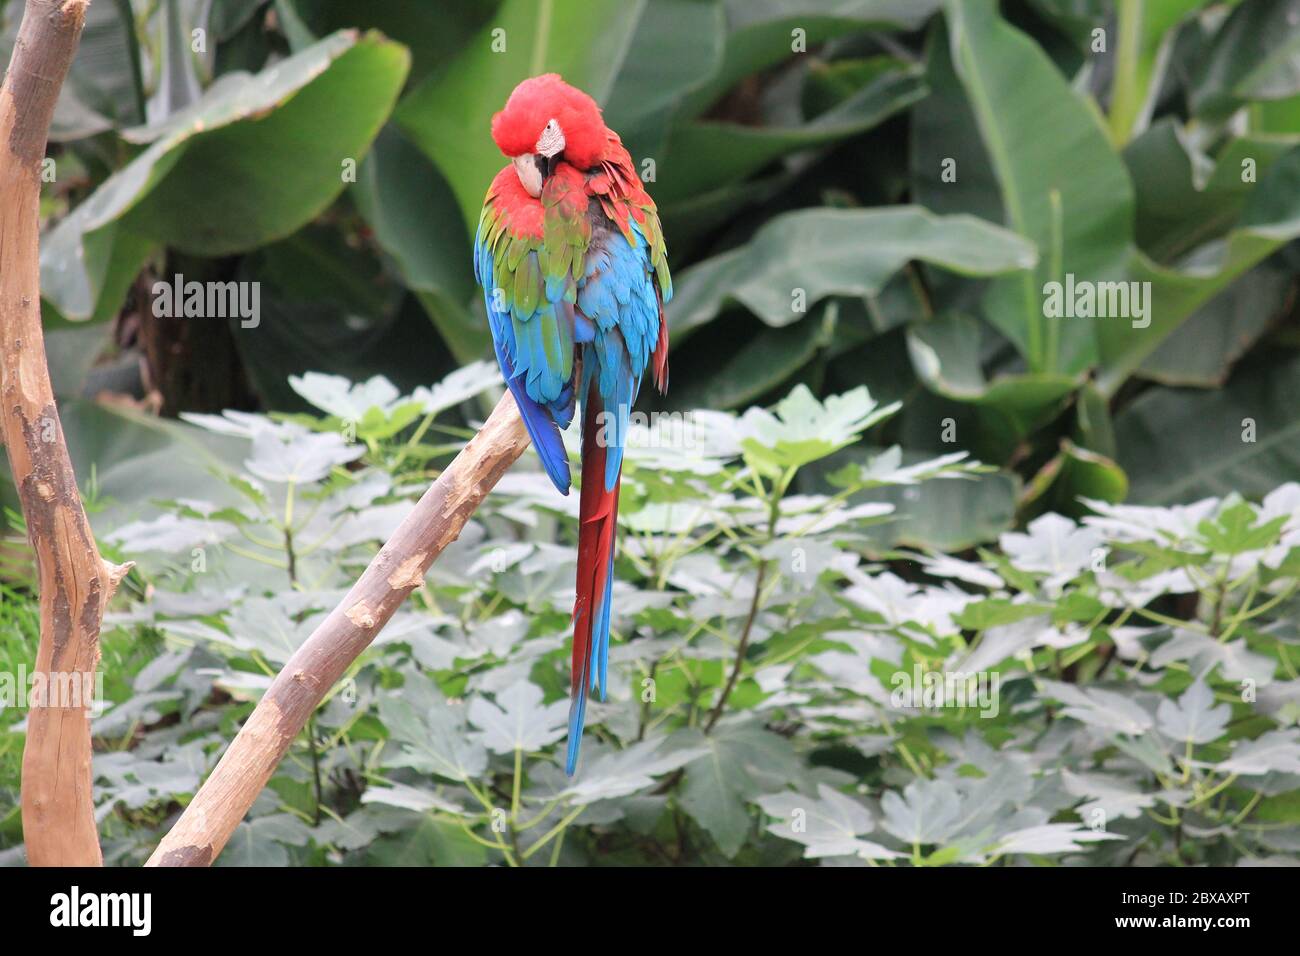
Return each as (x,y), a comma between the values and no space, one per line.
(531,168)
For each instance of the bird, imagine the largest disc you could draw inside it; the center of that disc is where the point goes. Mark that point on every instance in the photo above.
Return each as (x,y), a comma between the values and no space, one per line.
(571,257)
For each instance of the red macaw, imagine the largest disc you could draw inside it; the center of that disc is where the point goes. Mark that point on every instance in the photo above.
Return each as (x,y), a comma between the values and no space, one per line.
(574,271)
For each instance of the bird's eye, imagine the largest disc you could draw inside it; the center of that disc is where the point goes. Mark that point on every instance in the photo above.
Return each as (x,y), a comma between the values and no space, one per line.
(551,141)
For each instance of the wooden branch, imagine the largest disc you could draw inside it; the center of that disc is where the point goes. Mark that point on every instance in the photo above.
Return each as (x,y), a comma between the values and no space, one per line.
(75,583)
(317,665)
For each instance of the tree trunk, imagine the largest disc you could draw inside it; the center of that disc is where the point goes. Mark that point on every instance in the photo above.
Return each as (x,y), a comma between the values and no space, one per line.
(75,582)
(192,362)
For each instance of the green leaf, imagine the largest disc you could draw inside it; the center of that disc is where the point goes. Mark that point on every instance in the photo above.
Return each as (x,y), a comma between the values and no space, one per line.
(1063,186)
(328,307)
(1146,37)
(802,429)
(1075,18)
(1203,350)
(1076,606)
(1194,718)
(177,86)
(1050,838)
(434,32)
(1234,531)
(248,163)
(719,784)
(1093,426)
(409,798)
(1178,446)
(677,47)
(1282,808)
(1071,474)
(995,612)
(228,18)
(262,841)
(1148,752)
(827,825)
(1088,474)
(945,353)
(800,257)
(137,458)
(432,740)
(766,358)
(703,155)
(103,85)
(429,843)
(689,223)
(619,773)
(762,34)
(416,221)
(948,515)
(1276,116)
(946,139)
(927,811)
(518,720)
(1052,545)
(1185,199)
(1276,750)
(71,352)
(1271,217)
(1254,55)
(449,114)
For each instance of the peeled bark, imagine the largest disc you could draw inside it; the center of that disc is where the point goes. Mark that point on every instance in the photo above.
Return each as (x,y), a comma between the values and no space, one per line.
(399,567)
(75,582)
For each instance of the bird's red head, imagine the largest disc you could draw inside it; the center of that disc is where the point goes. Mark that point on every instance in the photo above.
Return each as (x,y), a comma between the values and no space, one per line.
(546,119)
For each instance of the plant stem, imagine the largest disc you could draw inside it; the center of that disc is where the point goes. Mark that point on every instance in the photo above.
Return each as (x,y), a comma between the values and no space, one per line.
(1126,97)
(514,790)
(741,650)
(773,516)
(553,832)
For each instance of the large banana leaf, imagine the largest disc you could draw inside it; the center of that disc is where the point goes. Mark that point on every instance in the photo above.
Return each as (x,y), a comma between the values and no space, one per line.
(248,163)
(416,220)
(801,257)
(704,155)
(1181,445)
(1062,185)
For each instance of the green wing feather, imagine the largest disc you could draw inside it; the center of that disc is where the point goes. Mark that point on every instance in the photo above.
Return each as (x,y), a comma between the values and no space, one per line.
(536,282)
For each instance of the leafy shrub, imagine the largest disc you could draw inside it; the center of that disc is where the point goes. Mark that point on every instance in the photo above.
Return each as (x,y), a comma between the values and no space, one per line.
(1132,694)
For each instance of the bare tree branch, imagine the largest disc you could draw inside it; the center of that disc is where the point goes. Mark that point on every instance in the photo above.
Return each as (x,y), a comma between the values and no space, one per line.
(75,582)
(398,569)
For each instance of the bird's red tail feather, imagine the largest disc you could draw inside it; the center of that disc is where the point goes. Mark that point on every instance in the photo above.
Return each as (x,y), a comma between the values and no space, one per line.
(598,518)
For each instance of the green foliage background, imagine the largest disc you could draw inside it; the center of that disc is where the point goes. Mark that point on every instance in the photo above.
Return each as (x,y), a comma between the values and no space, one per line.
(855,192)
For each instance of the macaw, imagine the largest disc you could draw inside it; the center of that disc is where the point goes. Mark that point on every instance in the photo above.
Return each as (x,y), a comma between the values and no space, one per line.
(574,270)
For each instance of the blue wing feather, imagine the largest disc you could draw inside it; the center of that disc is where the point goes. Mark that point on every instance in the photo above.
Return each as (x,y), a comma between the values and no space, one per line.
(545,401)
(617,295)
